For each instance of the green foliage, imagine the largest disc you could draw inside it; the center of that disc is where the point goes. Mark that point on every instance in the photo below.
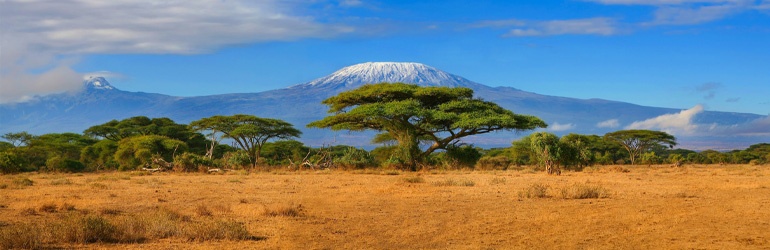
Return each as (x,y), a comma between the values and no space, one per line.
(280,152)
(522,152)
(464,156)
(100,155)
(60,164)
(547,150)
(249,132)
(355,158)
(410,114)
(140,125)
(637,142)
(190,162)
(138,150)
(500,162)
(18,139)
(236,159)
(10,163)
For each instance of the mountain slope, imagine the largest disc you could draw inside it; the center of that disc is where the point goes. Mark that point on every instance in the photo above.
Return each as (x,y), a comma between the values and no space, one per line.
(100,102)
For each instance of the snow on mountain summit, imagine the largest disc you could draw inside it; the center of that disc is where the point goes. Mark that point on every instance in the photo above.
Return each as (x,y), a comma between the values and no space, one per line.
(97,83)
(375,72)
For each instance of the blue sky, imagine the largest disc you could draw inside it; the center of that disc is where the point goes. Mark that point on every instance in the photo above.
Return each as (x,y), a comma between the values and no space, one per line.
(665,53)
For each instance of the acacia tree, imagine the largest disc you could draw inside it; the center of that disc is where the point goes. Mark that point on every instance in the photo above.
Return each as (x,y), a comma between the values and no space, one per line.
(638,141)
(248,131)
(410,114)
(547,150)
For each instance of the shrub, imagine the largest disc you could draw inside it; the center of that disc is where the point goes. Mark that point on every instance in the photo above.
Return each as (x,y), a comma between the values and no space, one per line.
(497,180)
(414,179)
(216,230)
(453,182)
(60,164)
(189,162)
(24,236)
(499,162)
(61,181)
(10,163)
(535,190)
(286,211)
(584,191)
(48,208)
(202,210)
(355,158)
(85,229)
(23,182)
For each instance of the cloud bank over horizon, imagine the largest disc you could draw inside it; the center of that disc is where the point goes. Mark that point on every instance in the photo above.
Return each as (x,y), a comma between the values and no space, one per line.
(42,42)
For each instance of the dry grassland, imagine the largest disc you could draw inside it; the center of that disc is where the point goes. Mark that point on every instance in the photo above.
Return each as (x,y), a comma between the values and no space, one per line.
(692,207)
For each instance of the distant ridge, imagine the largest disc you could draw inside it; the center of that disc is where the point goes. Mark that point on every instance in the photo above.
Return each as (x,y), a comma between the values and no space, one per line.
(100,102)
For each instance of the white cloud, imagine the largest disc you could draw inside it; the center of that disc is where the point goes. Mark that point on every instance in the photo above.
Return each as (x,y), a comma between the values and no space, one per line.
(676,124)
(688,12)
(757,127)
(351,3)
(561,127)
(687,15)
(45,36)
(589,26)
(658,2)
(611,123)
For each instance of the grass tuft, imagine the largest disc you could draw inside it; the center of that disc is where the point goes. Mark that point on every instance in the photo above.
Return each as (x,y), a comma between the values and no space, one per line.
(285,211)
(535,190)
(48,208)
(25,236)
(414,179)
(584,191)
(23,182)
(454,183)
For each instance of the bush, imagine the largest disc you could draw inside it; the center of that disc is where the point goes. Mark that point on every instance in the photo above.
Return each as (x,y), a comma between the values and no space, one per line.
(23,182)
(10,163)
(60,164)
(355,158)
(499,162)
(25,236)
(463,156)
(584,191)
(85,229)
(217,230)
(189,162)
(535,190)
(453,182)
(414,179)
(286,211)
(236,160)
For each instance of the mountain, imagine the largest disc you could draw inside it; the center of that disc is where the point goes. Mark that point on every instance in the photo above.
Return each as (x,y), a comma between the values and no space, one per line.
(99,102)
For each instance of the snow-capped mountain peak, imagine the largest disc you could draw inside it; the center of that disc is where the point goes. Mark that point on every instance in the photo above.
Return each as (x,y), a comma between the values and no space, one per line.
(375,72)
(97,83)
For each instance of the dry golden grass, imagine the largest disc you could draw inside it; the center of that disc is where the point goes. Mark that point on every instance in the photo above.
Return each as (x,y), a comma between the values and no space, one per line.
(640,207)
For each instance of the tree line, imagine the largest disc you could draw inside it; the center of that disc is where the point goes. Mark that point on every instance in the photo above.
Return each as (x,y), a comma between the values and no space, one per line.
(418,127)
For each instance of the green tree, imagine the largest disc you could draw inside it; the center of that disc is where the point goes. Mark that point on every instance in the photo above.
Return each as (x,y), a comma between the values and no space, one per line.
(136,151)
(18,139)
(140,125)
(409,113)
(284,152)
(576,150)
(637,142)
(10,163)
(521,151)
(548,151)
(100,155)
(249,132)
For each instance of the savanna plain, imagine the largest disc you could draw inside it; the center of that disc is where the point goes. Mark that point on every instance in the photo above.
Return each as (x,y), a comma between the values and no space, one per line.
(606,207)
